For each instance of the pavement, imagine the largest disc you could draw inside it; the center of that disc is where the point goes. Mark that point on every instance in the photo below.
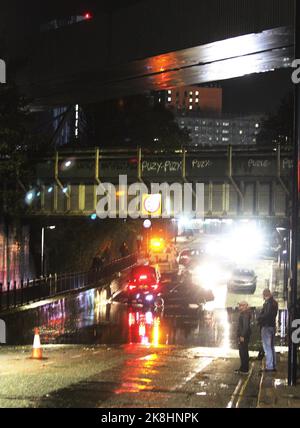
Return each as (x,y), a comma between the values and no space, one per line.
(274,391)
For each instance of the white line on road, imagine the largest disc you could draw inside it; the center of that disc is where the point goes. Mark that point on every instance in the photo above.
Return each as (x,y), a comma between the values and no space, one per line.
(239,390)
(204,363)
(236,391)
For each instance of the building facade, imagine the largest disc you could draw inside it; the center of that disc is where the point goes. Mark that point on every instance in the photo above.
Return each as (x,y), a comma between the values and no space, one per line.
(199,110)
(205,130)
(192,98)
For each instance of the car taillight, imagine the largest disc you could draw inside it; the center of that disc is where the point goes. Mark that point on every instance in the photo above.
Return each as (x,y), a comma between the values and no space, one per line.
(143,277)
(131,286)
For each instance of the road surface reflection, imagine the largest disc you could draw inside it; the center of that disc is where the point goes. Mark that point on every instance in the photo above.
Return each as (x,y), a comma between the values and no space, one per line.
(90,318)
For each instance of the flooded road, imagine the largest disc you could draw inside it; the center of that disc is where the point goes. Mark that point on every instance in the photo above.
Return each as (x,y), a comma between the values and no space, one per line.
(91,317)
(101,352)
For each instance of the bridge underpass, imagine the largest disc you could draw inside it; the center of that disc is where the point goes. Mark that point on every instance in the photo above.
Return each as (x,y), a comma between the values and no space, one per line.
(237,183)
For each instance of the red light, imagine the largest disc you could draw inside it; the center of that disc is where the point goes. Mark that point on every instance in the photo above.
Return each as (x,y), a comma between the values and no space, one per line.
(131,287)
(143,277)
(87,16)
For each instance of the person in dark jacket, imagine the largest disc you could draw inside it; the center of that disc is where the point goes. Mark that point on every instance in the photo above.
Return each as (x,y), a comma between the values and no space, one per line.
(243,336)
(124,250)
(267,322)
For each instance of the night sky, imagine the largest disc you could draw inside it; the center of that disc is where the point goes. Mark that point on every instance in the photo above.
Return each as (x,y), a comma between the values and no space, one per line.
(260,93)
(254,94)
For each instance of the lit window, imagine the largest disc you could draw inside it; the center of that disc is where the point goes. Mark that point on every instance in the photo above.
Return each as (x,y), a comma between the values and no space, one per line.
(204,123)
(196,128)
(169,99)
(191,107)
(241,132)
(225,123)
(197,100)
(225,131)
(257,125)
(191,100)
(169,92)
(191,92)
(225,139)
(197,93)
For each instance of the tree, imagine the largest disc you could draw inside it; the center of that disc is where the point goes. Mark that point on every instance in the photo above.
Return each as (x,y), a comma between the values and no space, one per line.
(17,146)
(132,122)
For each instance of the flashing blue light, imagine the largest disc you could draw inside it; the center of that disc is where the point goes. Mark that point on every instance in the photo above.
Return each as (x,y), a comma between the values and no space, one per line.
(93,216)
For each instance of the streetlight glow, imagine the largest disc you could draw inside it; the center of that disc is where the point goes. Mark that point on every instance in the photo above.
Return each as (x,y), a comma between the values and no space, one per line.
(29,196)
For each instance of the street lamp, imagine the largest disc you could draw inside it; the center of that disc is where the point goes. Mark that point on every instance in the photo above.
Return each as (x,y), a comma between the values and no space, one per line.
(43,246)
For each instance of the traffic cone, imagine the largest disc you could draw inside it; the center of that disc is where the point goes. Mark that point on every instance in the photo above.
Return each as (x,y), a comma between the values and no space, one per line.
(37,351)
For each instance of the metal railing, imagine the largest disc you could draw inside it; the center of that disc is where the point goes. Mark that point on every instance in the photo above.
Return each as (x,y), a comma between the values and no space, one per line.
(29,291)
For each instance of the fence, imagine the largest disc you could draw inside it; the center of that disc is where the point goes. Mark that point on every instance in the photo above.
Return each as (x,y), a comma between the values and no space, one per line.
(29,291)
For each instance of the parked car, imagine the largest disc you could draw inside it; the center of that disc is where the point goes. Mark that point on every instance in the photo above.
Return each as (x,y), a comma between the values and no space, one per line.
(242,281)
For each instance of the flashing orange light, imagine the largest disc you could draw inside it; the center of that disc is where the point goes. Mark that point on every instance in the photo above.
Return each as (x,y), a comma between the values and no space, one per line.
(157,244)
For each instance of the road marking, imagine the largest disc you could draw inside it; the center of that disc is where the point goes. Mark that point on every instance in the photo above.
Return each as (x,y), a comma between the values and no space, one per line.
(260,390)
(239,390)
(230,404)
(244,386)
(76,356)
(204,363)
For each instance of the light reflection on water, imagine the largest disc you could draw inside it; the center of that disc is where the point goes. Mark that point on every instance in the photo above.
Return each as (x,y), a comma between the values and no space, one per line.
(90,317)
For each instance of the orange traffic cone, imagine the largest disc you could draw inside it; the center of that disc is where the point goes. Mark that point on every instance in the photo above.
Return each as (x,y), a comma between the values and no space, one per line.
(37,351)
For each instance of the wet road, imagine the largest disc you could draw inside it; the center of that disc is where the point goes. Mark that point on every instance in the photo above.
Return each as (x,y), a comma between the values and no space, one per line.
(90,318)
(130,357)
(124,376)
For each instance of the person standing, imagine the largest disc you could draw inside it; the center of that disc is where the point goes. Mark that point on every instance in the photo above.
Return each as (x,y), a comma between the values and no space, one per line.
(243,337)
(106,256)
(124,250)
(267,322)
